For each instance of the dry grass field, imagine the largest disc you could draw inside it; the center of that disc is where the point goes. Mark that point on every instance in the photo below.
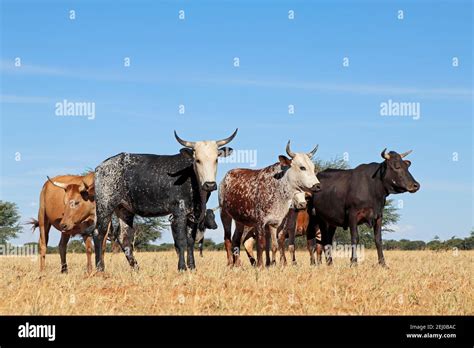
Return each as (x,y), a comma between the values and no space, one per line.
(417,282)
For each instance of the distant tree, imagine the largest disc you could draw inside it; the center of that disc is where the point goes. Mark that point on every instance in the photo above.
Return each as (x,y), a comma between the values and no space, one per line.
(147,230)
(76,246)
(9,221)
(208,244)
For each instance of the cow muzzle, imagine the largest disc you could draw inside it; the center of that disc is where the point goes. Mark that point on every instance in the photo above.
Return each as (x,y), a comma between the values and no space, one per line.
(414,187)
(300,206)
(316,187)
(209,186)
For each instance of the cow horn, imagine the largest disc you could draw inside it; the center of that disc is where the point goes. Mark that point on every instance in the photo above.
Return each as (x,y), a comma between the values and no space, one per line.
(311,153)
(84,186)
(226,140)
(385,155)
(216,208)
(406,153)
(288,150)
(58,184)
(185,143)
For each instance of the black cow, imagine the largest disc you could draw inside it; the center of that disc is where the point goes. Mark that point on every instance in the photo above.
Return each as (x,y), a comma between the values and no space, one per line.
(153,185)
(356,196)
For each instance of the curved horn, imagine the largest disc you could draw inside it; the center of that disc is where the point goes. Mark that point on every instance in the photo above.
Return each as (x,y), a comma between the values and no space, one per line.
(385,155)
(185,143)
(226,140)
(311,153)
(406,153)
(58,184)
(84,186)
(288,150)
(216,208)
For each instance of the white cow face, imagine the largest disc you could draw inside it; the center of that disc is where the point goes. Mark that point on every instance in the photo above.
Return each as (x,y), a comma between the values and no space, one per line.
(204,155)
(301,173)
(299,201)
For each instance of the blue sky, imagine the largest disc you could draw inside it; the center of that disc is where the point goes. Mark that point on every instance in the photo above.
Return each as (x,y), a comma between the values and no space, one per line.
(282,62)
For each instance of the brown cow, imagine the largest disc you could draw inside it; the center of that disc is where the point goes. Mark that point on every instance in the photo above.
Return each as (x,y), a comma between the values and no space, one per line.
(67,203)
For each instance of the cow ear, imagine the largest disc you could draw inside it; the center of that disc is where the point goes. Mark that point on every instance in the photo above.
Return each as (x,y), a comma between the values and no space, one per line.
(91,192)
(407,162)
(188,153)
(284,161)
(225,151)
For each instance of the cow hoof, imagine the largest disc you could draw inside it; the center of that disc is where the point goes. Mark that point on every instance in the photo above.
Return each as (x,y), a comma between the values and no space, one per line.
(64,271)
(353,263)
(294,263)
(252,261)
(383,265)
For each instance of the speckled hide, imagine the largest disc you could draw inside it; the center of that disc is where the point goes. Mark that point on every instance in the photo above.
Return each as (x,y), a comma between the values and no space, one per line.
(255,198)
(149,186)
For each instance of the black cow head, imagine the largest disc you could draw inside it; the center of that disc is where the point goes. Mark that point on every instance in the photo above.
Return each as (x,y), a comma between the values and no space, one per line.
(396,177)
(210,220)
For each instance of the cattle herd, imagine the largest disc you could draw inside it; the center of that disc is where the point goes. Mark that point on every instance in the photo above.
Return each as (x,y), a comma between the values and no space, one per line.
(267,205)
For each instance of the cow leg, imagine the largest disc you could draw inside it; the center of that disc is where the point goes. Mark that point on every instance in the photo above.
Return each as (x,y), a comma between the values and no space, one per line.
(200,248)
(88,243)
(236,241)
(62,251)
(291,242)
(261,236)
(44,226)
(281,247)
(248,245)
(330,230)
(191,239)
(267,247)
(179,230)
(326,239)
(227,225)
(378,241)
(273,231)
(319,247)
(104,217)
(354,239)
(310,236)
(127,233)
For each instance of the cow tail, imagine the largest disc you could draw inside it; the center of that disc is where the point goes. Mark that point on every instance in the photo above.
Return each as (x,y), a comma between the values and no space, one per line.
(34,224)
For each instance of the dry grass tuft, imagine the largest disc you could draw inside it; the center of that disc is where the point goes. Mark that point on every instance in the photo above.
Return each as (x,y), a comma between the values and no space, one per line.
(418,282)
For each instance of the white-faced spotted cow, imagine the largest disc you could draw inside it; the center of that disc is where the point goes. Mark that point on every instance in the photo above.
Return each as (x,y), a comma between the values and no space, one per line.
(261,199)
(154,185)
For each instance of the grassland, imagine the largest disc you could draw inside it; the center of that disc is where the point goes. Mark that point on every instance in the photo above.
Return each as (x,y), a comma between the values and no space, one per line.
(417,282)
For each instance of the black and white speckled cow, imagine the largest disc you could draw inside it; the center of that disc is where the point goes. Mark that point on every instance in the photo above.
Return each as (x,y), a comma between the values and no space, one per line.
(154,185)
(261,199)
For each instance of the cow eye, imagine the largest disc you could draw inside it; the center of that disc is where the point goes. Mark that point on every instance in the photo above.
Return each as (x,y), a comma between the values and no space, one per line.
(302,168)
(198,161)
